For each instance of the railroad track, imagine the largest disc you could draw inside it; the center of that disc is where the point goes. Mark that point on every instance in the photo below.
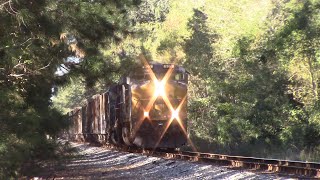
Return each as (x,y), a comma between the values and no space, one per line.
(305,169)
(298,169)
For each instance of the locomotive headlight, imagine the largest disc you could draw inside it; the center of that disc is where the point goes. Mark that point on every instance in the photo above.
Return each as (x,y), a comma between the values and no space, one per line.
(146,114)
(175,114)
(159,88)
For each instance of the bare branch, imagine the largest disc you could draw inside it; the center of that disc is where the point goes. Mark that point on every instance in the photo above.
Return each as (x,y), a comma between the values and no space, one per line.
(17,65)
(12,8)
(3,4)
(8,11)
(27,71)
(44,66)
(19,45)
(26,41)
(16,75)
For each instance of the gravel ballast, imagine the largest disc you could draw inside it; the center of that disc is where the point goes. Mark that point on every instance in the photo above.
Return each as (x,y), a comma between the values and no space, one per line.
(103,163)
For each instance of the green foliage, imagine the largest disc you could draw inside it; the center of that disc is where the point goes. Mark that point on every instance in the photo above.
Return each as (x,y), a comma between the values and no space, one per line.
(262,97)
(198,48)
(35,38)
(254,69)
(254,65)
(23,133)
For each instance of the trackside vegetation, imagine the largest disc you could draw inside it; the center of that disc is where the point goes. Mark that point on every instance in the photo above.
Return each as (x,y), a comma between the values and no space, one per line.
(254,71)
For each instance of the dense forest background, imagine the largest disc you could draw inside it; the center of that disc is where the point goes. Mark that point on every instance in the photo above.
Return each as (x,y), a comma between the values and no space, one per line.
(254,65)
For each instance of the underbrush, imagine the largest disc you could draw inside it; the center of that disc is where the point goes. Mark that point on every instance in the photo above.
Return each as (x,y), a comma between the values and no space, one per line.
(258,149)
(22,159)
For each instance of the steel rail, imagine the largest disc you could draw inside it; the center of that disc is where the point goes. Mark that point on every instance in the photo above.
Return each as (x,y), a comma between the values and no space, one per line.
(298,169)
(309,169)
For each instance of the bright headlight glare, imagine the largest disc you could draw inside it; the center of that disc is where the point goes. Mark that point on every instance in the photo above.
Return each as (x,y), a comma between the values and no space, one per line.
(159,88)
(146,114)
(175,114)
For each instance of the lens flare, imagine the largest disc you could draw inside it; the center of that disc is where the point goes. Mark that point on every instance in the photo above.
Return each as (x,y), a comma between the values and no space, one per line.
(163,132)
(160,91)
(159,88)
(175,114)
(146,114)
(142,117)
(155,96)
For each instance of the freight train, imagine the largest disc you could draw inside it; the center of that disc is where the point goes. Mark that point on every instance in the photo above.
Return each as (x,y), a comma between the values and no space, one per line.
(147,108)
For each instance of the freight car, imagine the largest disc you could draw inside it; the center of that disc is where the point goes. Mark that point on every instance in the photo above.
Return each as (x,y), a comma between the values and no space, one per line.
(147,108)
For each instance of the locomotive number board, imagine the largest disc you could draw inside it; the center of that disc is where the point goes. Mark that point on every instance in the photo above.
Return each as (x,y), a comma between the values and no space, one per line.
(167,66)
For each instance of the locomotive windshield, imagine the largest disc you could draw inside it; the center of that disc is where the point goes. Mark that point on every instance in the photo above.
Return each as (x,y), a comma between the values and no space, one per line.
(144,73)
(142,76)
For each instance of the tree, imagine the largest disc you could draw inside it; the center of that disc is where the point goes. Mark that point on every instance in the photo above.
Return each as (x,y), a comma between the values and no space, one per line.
(35,38)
